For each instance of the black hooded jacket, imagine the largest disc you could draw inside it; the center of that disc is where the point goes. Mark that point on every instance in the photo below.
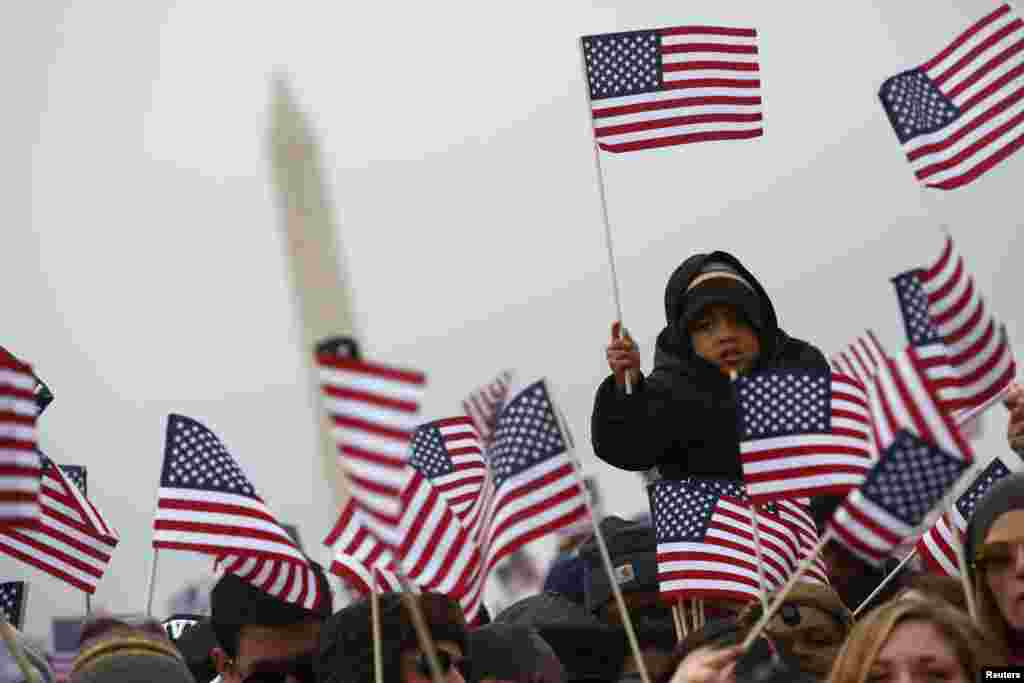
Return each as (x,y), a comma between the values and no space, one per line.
(682,416)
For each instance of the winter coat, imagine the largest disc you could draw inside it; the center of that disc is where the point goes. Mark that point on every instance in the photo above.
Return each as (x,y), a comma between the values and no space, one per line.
(682,416)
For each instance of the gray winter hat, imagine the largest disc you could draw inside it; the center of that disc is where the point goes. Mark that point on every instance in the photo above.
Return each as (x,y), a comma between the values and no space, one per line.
(1005,496)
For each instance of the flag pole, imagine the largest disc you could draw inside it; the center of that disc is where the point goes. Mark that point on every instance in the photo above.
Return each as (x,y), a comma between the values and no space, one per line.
(780,597)
(972,607)
(602,547)
(151,585)
(885,582)
(419,624)
(17,652)
(378,652)
(604,211)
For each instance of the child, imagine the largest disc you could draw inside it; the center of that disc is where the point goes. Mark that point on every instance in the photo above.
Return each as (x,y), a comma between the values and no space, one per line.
(682,416)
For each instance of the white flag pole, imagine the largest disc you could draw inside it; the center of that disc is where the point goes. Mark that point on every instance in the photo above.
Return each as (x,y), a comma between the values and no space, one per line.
(604,212)
(606,559)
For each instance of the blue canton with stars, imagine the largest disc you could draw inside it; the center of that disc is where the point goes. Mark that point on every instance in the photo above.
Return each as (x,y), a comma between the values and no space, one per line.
(981,485)
(913,300)
(77,475)
(680,512)
(194,458)
(784,402)
(915,105)
(620,64)
(527,434)
(429,455)
(911,477)
(12,601)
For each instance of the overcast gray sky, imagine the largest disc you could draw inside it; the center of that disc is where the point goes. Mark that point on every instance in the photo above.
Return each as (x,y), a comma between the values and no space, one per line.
(145,272)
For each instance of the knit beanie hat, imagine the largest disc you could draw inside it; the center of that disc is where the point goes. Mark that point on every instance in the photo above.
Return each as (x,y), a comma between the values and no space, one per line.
(720,283)
(119,653)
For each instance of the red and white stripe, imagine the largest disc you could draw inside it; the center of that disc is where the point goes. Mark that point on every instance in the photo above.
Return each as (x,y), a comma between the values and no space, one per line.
(291,581)
(801,465)
(977,347)
(462,487)
(482,406)
(722,566)
(860,359)
(901,399)
(20,465)
(374,410)
(797,515)
(982,73)
(534,503)
(70,540)
(711,90)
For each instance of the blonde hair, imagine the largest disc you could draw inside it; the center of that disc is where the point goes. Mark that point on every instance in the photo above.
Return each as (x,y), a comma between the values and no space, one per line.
(973,650)
(990,618)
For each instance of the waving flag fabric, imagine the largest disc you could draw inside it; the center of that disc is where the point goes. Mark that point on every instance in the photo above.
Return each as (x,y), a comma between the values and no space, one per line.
(860,359)
(960,113)
(362,561)
(937,547)
(374,410)
(536,485)
(802,433)
(699,553)
(71,541)
(483,405)
(978,350)
(20,466)
(673,86)
(449,453)
(206,504)
(922,455)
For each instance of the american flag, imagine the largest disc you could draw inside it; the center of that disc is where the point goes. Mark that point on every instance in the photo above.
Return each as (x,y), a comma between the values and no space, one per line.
(978,349)
(374,409)
(673,86)
(20,466)
(206,504)
(12,601)
(860,359)
(71,541)
(797,515)
(899,492)
(537,488)
(922,453)
(362,561)
(959,114)
(484,404)
(937,545)
(449,453)
(802,433)
(77,475)
(699,553)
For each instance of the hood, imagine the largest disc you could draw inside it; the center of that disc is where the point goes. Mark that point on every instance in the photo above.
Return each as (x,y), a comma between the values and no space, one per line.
(587,648)
(673,345)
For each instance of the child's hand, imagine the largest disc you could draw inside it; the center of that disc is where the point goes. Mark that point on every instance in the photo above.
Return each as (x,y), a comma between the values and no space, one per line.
(1014,402)
(623,356)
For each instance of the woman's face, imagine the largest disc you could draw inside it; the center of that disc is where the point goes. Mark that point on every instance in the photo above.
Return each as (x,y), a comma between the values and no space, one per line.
(917,652)
(1001,557)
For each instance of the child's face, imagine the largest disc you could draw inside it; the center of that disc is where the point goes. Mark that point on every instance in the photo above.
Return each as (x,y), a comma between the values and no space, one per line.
(720,335)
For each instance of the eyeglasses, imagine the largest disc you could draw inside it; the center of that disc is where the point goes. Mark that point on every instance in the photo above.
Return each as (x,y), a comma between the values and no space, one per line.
(444,659)
(276,672)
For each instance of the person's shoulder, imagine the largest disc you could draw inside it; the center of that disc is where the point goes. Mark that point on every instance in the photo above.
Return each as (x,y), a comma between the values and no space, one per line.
(798,353)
